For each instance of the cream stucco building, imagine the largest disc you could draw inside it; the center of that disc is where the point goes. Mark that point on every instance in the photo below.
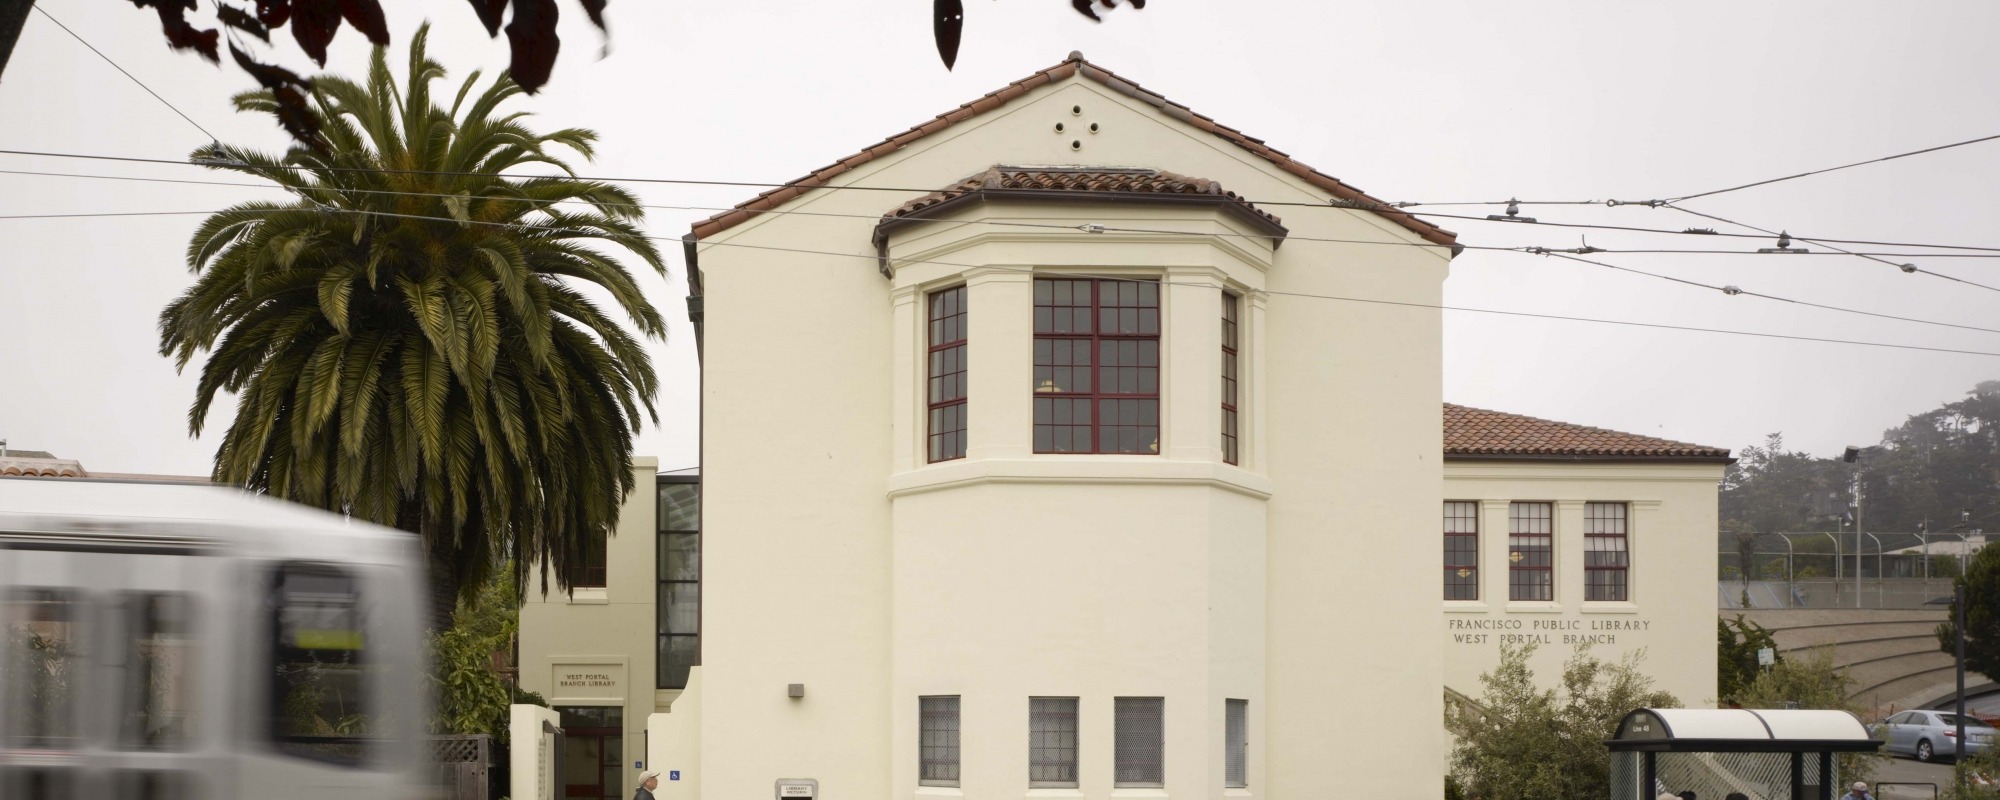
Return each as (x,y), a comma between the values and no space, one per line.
(1042,460)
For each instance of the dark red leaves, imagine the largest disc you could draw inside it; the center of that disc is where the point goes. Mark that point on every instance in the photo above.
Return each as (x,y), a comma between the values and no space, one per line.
(181,35)
(532,37)
(366,17)
(294,114)
(314,22)
(491,14)
(274,13)
(241,20)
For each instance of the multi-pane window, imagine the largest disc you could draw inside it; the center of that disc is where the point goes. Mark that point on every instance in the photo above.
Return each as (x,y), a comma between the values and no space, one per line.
(1530,551)
(946,393)
(1051,742)
(677,614)
(1140,741)
(1236,744)
(937,741)
(1605,556)
(1461,550)
(587,571)
(1229,334)
(1097,366)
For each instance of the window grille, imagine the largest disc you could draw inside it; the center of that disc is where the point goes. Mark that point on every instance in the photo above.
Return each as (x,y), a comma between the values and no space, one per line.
(1229,444)
(1236,732)
(1052,742)
(946,392)
(1461,550)
(1530,551)
(677,608)
(937,742)
(1141,742)
(1097,366)
(1606,558)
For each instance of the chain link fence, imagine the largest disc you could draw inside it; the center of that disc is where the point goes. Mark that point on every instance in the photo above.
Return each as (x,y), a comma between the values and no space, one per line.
(1840,569)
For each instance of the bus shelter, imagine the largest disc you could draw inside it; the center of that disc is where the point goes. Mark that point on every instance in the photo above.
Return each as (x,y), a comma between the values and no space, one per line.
(1759,754)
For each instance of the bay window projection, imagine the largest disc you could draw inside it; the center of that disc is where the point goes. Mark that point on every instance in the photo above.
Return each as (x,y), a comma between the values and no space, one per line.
(946,370)
(1097,366)
(1530,551)
(1605,556)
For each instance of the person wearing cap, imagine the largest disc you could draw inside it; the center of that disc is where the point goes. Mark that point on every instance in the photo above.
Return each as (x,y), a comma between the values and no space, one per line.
(1859,791)
(648,781)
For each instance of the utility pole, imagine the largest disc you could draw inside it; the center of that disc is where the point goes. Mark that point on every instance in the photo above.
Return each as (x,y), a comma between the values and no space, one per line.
(1852,457)
(1958,598)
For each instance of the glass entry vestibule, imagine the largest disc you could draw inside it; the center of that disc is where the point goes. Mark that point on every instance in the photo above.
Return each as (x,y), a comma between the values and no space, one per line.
(593,752)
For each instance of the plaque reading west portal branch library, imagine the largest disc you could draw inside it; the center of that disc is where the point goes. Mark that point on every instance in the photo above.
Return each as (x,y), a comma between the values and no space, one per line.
(597,680)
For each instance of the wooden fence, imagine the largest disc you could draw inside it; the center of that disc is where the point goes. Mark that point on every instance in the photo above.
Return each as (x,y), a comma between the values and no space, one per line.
(464,765)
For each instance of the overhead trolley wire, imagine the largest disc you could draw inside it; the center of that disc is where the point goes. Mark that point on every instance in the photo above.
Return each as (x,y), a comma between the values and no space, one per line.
(752,184)
(121,70)
(1734,290)
(1833,169)
(1823,242)
(1275,293)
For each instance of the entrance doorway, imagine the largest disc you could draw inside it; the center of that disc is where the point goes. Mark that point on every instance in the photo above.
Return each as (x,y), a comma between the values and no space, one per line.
(593,753)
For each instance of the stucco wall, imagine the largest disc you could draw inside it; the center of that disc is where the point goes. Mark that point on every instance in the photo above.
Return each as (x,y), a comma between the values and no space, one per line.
(815,575)
(1672,544)
(611,627)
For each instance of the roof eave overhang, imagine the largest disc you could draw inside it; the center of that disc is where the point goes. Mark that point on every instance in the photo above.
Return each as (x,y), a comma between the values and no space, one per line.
(1227,205)
(1588,458)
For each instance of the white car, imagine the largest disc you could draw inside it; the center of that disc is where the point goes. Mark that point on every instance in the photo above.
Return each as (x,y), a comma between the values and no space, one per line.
(1929,734)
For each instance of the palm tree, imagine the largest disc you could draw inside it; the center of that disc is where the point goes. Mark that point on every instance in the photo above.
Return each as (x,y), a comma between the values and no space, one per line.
(412,337)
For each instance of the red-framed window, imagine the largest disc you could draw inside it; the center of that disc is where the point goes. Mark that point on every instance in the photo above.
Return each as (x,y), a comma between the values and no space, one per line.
(1229,340)
(1097,366)
(1461,550)
(1531,551)
(1606,558)
(946,394)
(588,571)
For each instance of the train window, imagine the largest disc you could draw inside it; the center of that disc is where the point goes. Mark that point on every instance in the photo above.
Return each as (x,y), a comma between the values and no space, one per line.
(158,712)
(320,703)
(132,784)
(42,675)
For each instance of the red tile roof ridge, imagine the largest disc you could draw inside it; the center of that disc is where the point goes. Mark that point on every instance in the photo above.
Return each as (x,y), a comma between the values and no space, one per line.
(1098,181)
(1070,67)
(1470,432)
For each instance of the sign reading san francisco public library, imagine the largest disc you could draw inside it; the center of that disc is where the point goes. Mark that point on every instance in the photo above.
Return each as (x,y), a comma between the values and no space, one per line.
(1485,630)
(595,680)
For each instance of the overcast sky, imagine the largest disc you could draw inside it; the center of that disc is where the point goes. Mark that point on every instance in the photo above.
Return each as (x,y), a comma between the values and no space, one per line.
(1429,102)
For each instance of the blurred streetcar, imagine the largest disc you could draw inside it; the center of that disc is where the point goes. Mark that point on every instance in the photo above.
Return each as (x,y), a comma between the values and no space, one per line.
(168,641)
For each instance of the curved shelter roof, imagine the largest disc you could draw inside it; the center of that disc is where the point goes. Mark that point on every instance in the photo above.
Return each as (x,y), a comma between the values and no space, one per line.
(1741,730)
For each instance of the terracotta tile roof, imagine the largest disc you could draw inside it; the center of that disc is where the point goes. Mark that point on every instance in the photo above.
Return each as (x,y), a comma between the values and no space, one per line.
(1081,180)
(1471,433)
(1070,67)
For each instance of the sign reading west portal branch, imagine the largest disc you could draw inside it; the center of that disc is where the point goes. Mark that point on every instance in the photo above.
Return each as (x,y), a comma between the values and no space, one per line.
(599,681)
(1514,630)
